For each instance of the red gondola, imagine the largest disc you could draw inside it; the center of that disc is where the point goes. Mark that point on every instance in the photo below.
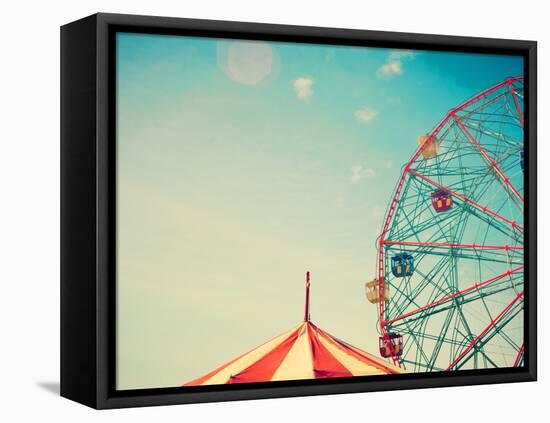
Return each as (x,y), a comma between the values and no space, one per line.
(396,341)
(441,201)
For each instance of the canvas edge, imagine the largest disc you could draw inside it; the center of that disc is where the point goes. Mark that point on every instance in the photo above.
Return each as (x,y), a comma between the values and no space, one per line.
(78,312)
(103,365)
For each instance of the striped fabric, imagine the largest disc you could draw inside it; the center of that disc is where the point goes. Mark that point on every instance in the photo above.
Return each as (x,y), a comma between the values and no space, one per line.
(304,352)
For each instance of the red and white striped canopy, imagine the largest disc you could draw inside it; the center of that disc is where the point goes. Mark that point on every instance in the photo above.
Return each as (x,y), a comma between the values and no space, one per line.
(304,352)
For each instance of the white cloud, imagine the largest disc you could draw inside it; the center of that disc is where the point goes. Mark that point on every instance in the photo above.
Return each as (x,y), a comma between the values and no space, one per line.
(355,174)
(303,88)
(366,115)
(394,64)
(358,173)
(245,62)
(395,67)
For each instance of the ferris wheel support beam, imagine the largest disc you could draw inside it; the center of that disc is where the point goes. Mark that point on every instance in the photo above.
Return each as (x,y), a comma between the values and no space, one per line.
(456,294)
(520,353)
(511,84)
(497,329)
(466,199)
(493,164)
(455,245)
(491,324)
(486,93)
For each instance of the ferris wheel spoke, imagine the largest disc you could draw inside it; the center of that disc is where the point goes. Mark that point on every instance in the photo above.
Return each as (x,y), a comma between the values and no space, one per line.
(461,319)
(485,356)
(484,94)
(516,102)
(477,351)
(506,181)
(441,308)
(491,324)
(408,297)
(483,121)
(420,365)
(470,336)
(480,109)
(497,137)
(419,336)
(440,226)
(508,339)
(426,281)
(505,336)
(484,209)
(488,257)
(419,350)
(519,356)
(434,337)
(478,212)
(455,245)
(443,333)
(480,346)
(412,225)
(456,294)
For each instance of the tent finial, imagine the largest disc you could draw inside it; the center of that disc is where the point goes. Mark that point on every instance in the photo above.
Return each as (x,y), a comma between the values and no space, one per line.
(306,314)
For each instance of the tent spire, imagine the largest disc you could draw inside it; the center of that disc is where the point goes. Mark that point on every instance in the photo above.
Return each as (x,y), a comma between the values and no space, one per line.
(306,314)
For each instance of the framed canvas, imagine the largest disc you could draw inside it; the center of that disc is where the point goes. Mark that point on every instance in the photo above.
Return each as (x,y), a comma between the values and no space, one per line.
(259,211)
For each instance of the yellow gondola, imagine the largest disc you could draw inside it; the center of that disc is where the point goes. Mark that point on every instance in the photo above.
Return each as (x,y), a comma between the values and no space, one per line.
(371,289)
(431,149)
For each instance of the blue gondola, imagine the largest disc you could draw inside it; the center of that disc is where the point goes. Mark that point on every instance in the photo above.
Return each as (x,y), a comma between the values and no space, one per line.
(402,265)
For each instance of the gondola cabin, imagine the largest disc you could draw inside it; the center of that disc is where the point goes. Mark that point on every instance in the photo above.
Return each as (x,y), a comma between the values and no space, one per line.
(430,146)
(373,292)
(396,342)
(441,201)
(402,265)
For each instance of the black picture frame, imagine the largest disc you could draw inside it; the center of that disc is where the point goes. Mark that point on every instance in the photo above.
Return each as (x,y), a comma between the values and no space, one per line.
(88,197)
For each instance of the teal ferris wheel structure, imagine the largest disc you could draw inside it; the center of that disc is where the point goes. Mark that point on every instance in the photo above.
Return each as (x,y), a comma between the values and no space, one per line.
(450,257)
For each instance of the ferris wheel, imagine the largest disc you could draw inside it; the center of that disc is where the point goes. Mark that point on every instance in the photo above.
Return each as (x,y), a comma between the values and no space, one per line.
(450,264)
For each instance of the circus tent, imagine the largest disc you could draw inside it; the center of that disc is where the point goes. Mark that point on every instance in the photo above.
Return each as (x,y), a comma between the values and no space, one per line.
(304,352)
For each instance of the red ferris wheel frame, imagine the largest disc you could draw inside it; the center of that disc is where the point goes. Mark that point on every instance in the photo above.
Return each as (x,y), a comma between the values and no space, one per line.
(451,115)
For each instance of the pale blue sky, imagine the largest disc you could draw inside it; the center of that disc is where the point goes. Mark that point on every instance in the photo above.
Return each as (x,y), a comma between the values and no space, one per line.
(242,165)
